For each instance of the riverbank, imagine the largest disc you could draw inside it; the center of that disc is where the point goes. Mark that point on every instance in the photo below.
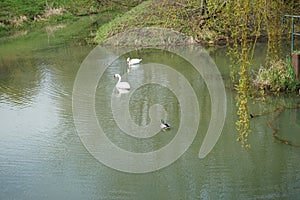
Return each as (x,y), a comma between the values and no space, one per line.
(95,21)
(165,14)
(75,20)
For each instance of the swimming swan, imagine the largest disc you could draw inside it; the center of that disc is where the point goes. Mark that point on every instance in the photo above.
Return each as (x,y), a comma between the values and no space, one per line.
(133,61)
(121,85)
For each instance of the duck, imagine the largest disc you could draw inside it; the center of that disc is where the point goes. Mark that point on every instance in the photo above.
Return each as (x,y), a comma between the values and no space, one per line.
(133,61)
(164,125)
(121,85)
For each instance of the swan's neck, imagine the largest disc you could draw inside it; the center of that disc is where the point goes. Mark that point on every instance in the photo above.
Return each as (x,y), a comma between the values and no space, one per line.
(119,77)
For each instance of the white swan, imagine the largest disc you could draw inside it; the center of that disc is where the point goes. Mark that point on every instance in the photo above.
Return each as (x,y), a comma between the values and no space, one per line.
(164,125)
(133,61)
(121,85)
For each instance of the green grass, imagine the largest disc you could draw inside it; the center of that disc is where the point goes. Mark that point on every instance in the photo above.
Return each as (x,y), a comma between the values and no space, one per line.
(33,13)
(130,20)
(182,17)
(279,77)
(31,8)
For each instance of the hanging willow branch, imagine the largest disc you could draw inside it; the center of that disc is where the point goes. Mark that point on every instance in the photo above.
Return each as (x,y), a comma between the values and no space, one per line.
(245,22)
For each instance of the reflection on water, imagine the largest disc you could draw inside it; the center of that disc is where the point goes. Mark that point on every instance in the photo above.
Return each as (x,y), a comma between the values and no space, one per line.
(41,156)
(20,80)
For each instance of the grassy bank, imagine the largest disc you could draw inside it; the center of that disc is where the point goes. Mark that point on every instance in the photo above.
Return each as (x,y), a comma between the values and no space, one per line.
(164,14)
(19,18)
(208,26)
(78,18)
(276,78)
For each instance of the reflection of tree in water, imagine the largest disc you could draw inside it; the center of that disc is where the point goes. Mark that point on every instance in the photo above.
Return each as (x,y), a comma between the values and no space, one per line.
(59,68)
(19,79)
(22,76)
(44,79)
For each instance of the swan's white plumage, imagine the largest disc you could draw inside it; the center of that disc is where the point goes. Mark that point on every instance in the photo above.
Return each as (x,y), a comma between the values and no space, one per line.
(121,85)
(133,61)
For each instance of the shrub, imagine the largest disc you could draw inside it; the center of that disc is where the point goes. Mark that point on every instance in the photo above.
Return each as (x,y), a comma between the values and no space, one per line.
(279,77)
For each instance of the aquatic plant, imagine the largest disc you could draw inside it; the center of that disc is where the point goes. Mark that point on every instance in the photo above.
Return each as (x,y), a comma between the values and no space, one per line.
(280,76)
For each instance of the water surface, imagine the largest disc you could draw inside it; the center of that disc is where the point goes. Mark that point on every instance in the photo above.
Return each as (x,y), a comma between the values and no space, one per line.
(42,157)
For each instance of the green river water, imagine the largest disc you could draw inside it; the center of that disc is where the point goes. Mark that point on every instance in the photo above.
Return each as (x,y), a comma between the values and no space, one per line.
(42,155)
